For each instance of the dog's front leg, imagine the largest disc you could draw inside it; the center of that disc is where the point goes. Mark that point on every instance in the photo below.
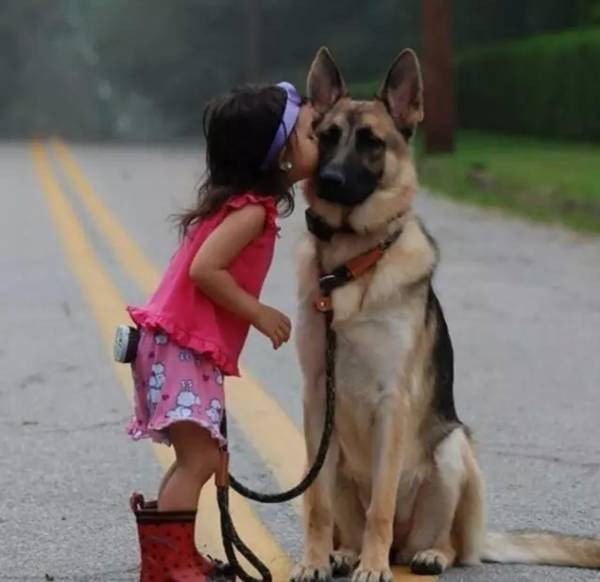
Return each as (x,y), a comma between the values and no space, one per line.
(318,500)
(387,465)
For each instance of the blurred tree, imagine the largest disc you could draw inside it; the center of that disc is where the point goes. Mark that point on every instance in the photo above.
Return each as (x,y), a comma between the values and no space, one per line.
(178,54)
(484,21)
(589,12)
(363,36)
(48,70)
(21,24)
(145,68)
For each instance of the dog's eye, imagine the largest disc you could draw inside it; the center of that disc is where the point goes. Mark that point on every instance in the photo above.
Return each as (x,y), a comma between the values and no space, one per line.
(366,139)
(330,136)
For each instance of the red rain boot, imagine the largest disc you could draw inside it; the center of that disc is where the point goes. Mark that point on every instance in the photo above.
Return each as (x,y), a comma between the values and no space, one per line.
(167,547)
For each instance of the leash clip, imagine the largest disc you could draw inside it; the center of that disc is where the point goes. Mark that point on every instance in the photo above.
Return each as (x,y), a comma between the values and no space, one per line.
(327,283)
(222,474)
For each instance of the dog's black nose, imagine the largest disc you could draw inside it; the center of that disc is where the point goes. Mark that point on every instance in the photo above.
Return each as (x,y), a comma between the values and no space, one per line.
(332,176)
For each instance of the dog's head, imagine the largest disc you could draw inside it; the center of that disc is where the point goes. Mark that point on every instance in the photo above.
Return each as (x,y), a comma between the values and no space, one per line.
(366,174)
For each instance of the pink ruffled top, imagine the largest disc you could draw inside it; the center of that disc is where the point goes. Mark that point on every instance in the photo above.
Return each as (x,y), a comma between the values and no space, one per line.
(190,318)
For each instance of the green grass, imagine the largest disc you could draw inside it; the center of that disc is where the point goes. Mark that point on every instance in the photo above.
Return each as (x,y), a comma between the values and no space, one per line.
(543,85)
(548,181)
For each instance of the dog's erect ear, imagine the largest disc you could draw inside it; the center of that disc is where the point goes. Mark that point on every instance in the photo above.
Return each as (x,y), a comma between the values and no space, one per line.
(402,91)
(324,84)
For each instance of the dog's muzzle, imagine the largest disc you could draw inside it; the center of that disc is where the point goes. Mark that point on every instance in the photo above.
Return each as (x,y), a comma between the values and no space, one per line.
(345,187)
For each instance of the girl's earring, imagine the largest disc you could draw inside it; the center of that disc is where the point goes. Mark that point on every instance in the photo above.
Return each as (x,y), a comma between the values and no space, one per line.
(285,166)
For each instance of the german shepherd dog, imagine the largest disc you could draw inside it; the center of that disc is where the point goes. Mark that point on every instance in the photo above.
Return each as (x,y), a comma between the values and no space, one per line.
(401,482)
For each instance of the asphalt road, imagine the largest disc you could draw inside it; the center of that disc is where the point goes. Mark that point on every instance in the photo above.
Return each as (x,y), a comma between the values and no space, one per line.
(522,303)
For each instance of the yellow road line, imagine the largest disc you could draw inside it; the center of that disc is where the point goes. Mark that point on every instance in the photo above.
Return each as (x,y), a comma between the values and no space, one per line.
(107,305)
(249,403)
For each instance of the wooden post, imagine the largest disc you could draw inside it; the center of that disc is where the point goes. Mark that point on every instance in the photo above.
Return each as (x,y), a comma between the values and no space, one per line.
(438,76)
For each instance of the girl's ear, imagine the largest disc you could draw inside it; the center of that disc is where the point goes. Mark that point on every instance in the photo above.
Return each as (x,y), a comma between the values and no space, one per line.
(282,159)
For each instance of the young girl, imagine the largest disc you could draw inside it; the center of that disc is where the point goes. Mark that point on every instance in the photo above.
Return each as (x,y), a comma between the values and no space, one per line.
(259,142)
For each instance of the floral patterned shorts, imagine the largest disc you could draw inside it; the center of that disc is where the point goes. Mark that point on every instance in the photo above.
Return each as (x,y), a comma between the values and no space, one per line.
(174,384)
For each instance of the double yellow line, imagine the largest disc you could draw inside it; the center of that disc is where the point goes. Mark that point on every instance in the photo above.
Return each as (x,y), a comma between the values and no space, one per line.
(248,403)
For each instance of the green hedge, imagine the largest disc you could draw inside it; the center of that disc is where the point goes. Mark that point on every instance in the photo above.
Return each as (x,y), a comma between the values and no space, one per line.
(546,86)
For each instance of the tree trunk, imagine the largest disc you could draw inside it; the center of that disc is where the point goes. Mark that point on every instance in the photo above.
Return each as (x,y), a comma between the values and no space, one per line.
(438,76)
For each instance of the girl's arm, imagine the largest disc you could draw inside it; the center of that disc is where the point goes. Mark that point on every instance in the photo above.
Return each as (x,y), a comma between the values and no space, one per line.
(209,272)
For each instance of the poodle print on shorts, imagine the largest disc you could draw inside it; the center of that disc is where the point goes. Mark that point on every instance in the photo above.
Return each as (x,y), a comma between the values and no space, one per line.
(155,384)
(173,384)
(214,412)
(185,400)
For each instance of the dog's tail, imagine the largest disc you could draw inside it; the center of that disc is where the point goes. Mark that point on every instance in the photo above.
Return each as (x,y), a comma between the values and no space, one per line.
(551,549)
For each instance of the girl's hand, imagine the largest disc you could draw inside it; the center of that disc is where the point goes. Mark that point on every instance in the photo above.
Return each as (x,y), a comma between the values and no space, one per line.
(274,324)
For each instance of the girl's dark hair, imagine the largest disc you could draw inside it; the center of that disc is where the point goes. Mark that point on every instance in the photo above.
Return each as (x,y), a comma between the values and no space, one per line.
(239,128)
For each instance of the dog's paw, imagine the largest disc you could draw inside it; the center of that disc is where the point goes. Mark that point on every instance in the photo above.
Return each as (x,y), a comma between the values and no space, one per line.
(309,573)
(429,562)
(372,575)
(343,562)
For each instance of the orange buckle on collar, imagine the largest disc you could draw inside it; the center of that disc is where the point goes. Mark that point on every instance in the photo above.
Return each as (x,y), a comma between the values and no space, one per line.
(363,263)
(323,303)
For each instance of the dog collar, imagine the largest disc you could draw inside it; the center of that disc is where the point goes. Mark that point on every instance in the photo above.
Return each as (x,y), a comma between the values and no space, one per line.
(351,270)
(317,226)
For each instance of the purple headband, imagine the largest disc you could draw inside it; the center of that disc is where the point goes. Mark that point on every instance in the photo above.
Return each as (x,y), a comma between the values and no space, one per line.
(286,124)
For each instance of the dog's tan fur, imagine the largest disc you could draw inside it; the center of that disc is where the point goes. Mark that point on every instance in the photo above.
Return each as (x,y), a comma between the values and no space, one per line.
(401,472)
